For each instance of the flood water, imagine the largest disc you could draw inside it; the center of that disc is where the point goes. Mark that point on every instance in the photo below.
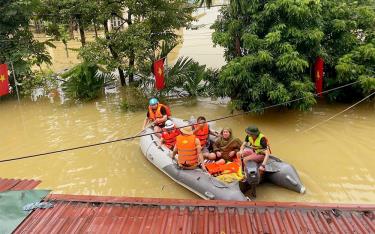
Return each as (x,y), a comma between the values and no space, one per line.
(335,160)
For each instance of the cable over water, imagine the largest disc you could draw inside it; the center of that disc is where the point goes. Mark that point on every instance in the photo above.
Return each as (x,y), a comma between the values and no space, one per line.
(212,120)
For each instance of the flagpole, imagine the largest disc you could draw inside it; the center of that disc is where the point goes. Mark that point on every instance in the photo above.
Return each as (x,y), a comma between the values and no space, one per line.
(15,81)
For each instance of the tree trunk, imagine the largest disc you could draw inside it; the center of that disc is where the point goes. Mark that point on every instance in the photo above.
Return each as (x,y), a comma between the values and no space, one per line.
(95,29)
(238,46)
(81,31)
(132,55)
(71,29)
(114,54)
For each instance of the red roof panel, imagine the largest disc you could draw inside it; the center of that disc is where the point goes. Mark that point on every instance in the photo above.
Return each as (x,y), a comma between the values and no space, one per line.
(74,213)
(17,184)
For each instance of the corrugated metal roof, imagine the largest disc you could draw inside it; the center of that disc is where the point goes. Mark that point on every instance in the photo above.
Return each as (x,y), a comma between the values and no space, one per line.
(74,213)
(17,184)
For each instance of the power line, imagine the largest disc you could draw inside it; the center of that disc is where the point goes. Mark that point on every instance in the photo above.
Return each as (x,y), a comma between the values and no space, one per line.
(212,120)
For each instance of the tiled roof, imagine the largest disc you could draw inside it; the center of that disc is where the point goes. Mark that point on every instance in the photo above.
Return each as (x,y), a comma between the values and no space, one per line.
(83,214)
(16,184)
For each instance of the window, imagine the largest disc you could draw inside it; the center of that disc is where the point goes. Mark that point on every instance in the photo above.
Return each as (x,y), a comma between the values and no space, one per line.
(116,22)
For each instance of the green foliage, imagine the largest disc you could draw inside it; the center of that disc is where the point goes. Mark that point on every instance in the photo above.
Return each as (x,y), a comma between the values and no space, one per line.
(17,44)
(188,78)
(84,82)
(359,64)
(349,28)
(134,99)
(147,26)
(42,79)
(271,47)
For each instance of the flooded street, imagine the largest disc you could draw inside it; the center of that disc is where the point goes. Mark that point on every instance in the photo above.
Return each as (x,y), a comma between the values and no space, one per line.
(335,160)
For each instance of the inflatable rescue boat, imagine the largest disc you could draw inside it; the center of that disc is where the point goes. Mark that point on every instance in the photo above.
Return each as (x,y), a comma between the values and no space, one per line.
(209,187)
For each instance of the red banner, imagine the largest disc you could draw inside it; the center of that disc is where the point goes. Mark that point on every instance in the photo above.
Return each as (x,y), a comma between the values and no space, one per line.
(4,83)
(159,74)
(318,73)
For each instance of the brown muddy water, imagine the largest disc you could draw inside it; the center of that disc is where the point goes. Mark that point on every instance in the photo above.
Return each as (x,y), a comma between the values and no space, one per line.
(335,160)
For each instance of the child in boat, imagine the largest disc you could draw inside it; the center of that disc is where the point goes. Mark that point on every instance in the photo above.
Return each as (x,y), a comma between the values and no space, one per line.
(169,135)
(226,147)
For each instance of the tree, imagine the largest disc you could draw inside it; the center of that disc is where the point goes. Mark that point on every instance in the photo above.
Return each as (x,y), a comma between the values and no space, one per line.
(67,14)
(148,23)
(269,46)
(17,44)
(347,47)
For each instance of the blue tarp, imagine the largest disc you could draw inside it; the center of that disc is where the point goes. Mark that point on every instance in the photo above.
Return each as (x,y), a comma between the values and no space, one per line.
(12,204)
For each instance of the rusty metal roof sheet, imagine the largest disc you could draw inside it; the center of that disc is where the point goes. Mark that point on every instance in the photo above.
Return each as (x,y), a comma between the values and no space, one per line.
(17,184)
(74,213)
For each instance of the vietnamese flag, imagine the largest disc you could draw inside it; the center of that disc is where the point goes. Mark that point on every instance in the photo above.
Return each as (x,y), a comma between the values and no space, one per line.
(159,74)
(318,74)
(4,83)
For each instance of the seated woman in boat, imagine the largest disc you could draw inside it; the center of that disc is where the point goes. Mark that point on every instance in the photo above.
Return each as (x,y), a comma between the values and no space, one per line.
(169,135)
(225,147)
(255,147)
(202,131)
(188,149)
(157,114)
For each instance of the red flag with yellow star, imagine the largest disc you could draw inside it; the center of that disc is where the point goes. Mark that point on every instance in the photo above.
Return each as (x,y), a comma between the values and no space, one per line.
(4,83)
(159,74)
(319,63)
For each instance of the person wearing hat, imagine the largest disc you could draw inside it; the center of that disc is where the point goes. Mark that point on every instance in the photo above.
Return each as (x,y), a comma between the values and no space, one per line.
(169,135)
(188,148)
(255,147)
(157,114)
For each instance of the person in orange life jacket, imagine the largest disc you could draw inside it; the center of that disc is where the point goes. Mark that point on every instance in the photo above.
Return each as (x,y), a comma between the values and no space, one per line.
(202,131)
(157,115)
(188,150)
(255,147)
(169,135)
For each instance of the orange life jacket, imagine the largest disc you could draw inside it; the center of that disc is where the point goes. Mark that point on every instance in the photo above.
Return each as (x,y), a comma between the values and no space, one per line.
(202,133)
(170,137)
(187,150)
(157,114)
(214,168)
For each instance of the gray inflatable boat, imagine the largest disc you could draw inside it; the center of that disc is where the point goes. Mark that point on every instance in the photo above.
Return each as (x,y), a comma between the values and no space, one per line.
(207,186)
(197,180)
(276,172)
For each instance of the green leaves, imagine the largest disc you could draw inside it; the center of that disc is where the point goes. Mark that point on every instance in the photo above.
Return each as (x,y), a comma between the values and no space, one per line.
(17,44)
(292,63)
(279,43)
(84,82)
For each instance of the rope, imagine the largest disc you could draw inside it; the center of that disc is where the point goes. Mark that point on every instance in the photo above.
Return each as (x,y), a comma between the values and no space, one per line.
(142,135)
(339,113)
